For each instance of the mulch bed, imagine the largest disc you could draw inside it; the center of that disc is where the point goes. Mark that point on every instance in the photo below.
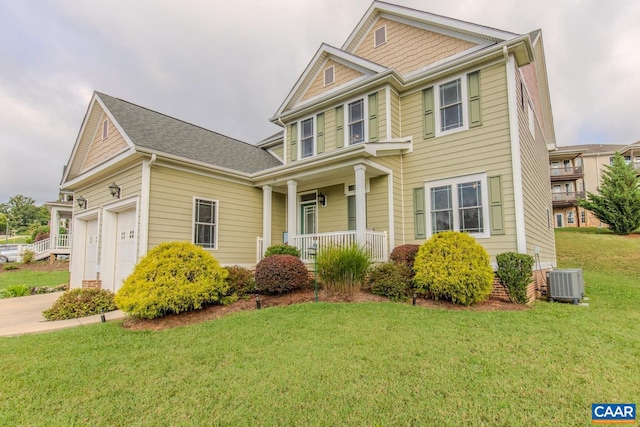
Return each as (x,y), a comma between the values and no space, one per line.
(303,296)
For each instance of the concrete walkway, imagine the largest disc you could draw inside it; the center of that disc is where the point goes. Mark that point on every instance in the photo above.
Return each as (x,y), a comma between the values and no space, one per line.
(23,315)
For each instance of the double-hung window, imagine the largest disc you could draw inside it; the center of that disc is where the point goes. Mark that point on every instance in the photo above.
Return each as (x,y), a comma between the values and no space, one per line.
(355,119)
(451,111)
(205,223)
(306,138)
(459,204)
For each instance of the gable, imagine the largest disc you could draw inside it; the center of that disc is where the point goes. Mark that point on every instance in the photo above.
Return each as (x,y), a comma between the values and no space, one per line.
(342,75)
(102,149)
(409,48)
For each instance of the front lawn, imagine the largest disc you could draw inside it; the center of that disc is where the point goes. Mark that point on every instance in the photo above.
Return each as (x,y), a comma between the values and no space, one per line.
(343,364)
(37,274)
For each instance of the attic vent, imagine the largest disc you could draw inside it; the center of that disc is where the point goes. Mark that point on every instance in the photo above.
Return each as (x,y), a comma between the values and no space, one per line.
(380,36)
(328,76)
(105,129)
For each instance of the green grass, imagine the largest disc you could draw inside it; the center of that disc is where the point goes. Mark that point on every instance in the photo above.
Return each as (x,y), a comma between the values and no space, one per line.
(14,240)
(33,278)
(342,364)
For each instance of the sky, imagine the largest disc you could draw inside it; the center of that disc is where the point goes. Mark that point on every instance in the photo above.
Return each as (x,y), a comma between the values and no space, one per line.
(228,65)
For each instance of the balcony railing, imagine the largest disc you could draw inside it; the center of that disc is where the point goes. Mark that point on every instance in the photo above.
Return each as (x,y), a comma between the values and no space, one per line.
(566,171)
(375,243)
(566,198)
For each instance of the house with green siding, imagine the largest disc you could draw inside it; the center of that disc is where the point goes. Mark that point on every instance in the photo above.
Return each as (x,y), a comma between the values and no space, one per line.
(417,124)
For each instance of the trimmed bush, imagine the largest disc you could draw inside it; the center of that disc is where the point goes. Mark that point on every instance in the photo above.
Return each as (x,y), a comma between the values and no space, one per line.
(27,256)
(342,269)
(276,274)
(15,291)
(454,267)
(240,281)
(80,303)
(172,278)
(390,280)
(514,272)
(405,254)
(282,250)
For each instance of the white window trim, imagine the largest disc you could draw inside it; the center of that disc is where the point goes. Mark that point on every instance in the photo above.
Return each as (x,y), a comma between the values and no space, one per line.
(314,135)
(465,105)
(365,113)
(482,177)
(216,223)
(347,192)
(333,75)
(384,29)
(307,202)
(570,217)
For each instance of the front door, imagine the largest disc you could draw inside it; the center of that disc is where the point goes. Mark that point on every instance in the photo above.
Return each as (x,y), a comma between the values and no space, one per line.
(308,217)
(125,247)
(559,220)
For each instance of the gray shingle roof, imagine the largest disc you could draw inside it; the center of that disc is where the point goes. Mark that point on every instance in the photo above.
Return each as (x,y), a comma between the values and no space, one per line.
(158,132)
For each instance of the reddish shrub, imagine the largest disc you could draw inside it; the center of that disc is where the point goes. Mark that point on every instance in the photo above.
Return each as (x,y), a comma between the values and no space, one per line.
(404,254)
(280,273)
(41,236)
(240,281)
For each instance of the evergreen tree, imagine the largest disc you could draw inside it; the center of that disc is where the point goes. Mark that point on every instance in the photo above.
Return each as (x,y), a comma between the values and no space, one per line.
(618,201)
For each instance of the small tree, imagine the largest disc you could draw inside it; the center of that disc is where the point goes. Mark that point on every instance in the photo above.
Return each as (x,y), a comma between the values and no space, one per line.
(618,201)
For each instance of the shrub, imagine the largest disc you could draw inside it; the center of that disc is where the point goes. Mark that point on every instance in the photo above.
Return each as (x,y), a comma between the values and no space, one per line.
(172,278)
(80,303)
(342,269)
(390,280)
(514,272)
(16,291)
(27,256)
(240,281)
(453,266)
(282,250)
(404,254)
(276,274)
(39,233)
(8,267)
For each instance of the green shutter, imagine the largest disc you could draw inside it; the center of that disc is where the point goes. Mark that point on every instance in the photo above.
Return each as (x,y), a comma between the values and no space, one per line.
(495,205)
(373,117)
(293,148)
(351,213)
(339,126)
(419,218)
(475,112)
(428,119)
(320,134)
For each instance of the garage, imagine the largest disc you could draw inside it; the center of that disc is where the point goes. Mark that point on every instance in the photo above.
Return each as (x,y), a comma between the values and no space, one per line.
(125,251)
(91,250)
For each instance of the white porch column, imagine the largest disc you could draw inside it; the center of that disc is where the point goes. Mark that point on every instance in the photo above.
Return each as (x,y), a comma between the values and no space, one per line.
(267,192)
(361,204)
(292,202)
(54,228)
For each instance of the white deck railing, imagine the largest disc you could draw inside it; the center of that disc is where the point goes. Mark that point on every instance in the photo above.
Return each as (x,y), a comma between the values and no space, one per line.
(375,243)
(45,245)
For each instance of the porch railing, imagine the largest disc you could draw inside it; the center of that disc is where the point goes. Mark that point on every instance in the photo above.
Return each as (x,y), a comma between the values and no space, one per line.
(570,197)
(375,243)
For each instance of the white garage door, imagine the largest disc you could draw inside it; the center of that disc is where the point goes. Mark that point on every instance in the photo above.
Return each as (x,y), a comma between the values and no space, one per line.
(125,247)
(91,250)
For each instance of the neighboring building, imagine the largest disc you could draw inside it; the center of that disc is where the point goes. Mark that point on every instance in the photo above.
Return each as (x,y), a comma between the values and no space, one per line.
(575,171)
(417,124)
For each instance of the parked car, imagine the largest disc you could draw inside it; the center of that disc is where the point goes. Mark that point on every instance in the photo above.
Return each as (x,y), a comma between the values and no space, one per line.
(8,253)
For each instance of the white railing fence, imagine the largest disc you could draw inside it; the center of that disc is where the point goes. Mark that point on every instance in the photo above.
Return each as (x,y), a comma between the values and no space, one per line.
(375,243)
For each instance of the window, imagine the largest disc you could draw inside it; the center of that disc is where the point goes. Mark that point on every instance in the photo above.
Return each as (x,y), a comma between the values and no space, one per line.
(306,138)
(329,76)
(355,120)
(459,204)
(205,224)
(451,116)
(570,217)
(105,129)
(380,36)
(583,216)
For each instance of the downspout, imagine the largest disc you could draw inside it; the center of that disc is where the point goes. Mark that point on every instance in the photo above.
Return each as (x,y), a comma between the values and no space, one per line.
(144,206)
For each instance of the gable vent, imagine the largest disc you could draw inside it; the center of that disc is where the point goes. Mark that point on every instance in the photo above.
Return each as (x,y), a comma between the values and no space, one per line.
(329,76)
(380,36)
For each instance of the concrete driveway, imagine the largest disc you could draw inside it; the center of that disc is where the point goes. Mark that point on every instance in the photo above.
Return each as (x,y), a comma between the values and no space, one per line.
(23,315)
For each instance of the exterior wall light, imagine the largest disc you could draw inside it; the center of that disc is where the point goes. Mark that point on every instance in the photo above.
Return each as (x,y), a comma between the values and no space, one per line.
(82,202)
(114,189)
(322,199)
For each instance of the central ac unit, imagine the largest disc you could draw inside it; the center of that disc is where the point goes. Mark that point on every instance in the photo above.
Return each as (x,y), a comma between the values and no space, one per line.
(566,284)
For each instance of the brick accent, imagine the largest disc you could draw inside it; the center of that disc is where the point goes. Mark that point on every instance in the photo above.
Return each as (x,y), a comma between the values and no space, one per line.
(535,290)
(92,284)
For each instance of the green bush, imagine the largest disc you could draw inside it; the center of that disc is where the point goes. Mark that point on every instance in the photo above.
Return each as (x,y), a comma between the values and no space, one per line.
(342,269)
(390,280)
(514,272)
(76,303)
(240,281)
(405,254)
(8,267)
(453,266)
(39,233)
(15,291)
(282,250)
(280,273)
(27,256)
(172,278)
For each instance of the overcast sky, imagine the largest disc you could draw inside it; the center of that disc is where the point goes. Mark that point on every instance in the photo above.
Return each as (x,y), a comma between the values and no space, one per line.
(228,65)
